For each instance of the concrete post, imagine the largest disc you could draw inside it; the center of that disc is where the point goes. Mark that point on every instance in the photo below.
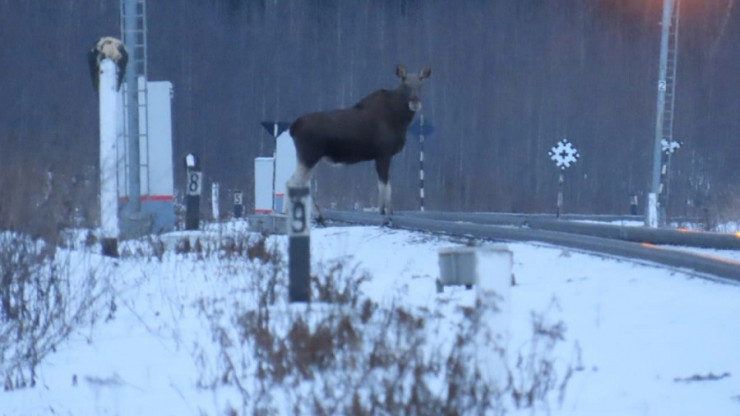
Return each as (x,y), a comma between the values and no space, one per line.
(238,204)
(299,244)
(194,185)
(652,211)
(108,98)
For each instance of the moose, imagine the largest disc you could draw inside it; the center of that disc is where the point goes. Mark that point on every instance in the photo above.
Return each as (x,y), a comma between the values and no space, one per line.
(372,129)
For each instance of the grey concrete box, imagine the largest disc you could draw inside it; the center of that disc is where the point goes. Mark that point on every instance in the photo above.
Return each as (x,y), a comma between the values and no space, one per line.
(268,223)
(456,267)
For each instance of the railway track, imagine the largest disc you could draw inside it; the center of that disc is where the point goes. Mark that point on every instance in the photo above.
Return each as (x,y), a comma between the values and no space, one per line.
(638,243)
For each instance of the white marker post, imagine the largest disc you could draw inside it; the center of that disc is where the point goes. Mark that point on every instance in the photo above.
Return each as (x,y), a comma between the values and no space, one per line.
(216,201)
(108,97)
(299,244)
(422,128)
(194,184)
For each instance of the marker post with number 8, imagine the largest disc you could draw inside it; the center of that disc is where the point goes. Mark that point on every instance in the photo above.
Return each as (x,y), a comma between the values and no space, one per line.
(194,186)
(299,244)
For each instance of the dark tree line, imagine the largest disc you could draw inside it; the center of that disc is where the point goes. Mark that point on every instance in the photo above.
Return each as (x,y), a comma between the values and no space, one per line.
(509,79)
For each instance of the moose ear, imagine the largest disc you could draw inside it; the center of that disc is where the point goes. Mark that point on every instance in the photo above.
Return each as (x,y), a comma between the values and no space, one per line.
(401,71)
(425,73)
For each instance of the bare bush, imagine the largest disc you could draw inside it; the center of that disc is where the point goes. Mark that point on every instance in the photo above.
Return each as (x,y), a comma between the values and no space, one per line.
(41,303)
(535,373)
(40,200)
(348,354)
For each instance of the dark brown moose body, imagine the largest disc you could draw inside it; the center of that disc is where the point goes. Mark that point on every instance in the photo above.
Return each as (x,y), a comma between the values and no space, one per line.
(373,129)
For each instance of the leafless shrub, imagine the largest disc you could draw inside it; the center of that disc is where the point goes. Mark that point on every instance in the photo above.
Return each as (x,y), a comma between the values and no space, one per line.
(41,303)
(348,354)
(145,248)
(535,374)
(40,199)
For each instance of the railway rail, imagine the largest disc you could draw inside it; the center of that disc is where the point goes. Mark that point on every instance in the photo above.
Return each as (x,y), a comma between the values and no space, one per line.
(639,243)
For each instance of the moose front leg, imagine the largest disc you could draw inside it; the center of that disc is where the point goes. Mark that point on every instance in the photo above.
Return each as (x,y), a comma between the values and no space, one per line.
(384,198)
(301,176)
(301,179)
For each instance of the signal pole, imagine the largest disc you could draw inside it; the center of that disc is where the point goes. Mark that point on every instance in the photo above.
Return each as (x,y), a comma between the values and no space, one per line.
(657,200)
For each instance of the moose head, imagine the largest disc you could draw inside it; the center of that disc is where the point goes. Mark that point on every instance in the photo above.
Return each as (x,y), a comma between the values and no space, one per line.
(411,85)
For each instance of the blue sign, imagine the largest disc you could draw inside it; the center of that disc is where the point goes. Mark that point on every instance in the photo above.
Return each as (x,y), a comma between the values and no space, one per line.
(275,128)
(416,129)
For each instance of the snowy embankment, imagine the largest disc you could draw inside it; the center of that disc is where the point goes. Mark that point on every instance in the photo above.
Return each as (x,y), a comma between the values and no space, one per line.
(636,339)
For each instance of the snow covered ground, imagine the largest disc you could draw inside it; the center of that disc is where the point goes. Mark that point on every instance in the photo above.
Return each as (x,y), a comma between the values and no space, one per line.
(642,340)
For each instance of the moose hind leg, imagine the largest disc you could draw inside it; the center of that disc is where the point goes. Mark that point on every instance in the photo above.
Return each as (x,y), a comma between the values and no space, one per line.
(383,166)
(384,198)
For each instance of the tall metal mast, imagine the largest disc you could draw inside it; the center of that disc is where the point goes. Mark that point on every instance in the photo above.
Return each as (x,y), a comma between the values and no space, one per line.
(656,213)
(134,30)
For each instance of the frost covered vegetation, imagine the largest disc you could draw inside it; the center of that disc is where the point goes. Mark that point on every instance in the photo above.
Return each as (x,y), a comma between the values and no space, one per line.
(45,295)
(344,353)
(348,354)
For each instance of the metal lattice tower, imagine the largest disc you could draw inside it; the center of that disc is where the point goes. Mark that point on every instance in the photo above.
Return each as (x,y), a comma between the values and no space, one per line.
(670,101)
(665,103)
(134,30)
(670,79)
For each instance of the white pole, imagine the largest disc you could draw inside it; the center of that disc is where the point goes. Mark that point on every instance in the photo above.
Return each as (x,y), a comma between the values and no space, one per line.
(215,201)
(652,211)
(108,97)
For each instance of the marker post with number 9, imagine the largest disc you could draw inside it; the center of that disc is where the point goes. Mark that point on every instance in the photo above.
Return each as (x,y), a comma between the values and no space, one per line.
(299,244)
(193,185)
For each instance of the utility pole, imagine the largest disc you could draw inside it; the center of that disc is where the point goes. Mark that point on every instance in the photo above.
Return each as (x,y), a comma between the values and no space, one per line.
(657,199)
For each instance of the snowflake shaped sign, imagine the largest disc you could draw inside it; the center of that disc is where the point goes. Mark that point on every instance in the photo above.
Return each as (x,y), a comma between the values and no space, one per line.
(564,154)
(670,146)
